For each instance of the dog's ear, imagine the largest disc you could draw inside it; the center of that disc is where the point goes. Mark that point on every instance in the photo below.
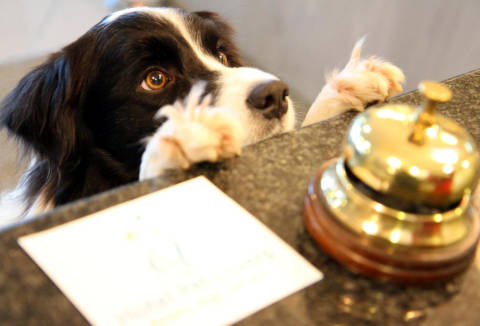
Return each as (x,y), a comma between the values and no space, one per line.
(227,32)
(225,28)
(42,110)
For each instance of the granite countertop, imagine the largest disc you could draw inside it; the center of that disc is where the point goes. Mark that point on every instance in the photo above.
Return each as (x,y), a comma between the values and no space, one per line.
(269,179)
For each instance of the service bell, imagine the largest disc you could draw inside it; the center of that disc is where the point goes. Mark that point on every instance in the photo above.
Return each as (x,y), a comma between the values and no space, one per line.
(397,204)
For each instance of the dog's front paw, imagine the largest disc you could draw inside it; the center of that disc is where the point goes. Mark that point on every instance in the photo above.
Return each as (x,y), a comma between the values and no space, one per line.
(361,82)
(193,132)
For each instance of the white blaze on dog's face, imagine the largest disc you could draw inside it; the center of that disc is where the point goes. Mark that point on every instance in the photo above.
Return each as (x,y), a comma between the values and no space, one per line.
(259,100)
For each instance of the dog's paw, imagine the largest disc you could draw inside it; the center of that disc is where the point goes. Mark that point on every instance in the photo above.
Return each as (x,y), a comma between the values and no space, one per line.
(361,82)
(193,132)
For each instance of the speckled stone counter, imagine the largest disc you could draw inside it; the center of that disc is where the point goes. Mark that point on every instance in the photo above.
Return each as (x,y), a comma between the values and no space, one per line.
(269,180)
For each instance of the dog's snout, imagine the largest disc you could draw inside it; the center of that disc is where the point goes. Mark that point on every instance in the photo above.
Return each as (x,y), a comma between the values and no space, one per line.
(270,98)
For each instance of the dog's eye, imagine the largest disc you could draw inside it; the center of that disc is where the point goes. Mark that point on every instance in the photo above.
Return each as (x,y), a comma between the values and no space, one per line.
(155,80)
(222,57)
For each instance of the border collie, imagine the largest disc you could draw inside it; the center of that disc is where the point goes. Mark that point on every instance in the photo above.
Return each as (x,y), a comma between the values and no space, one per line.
(150,89)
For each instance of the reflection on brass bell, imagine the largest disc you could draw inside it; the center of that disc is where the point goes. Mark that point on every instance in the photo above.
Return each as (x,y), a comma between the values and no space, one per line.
(397,204)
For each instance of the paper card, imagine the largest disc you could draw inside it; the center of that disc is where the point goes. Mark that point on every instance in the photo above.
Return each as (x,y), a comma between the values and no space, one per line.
(185,255)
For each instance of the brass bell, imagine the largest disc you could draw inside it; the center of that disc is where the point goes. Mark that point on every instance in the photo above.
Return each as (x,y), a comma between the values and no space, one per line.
(397,204)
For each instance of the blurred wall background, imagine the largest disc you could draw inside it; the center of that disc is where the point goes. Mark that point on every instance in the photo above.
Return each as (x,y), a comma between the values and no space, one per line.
(299,40)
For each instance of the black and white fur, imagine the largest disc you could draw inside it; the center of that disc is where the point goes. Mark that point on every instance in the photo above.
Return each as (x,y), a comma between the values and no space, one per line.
(89,124)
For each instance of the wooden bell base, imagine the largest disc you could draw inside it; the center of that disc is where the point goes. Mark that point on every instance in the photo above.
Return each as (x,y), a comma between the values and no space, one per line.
(379,258)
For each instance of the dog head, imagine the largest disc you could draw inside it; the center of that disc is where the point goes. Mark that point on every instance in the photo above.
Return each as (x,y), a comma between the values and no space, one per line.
(104,89)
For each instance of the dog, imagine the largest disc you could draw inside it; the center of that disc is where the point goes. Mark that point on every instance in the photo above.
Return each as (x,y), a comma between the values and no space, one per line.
(151,89)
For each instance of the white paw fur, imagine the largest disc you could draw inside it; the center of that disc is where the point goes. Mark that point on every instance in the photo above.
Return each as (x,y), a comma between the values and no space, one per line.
(362,81)
(193,132)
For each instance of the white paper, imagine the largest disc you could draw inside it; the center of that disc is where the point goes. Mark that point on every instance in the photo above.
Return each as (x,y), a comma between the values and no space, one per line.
(185,255)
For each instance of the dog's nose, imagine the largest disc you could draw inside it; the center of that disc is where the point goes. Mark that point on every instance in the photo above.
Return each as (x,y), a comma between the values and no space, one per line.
(270,98)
